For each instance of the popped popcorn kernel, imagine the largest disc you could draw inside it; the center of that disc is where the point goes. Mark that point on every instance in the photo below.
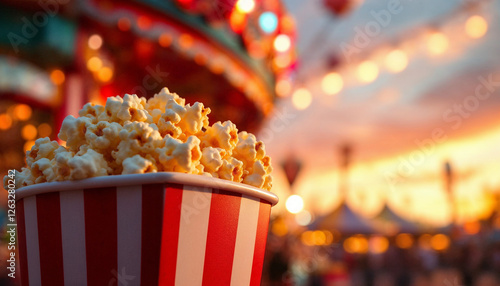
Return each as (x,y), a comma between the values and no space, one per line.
(132,135)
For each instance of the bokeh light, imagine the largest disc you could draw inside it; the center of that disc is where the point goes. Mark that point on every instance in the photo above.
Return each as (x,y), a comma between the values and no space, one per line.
(378,244)
(279,227)
(301,98)
(5,121)
(22,112)
(424,241)
(124,24)
(245,6)
(27,146)
(95,42)
(28,132)
(476,27)
(356,244)
(437,43)
(283,87)
(440,242)
(472,227)
(237,21)
(165,40)
(367,71)
(44,130)
(396,61)
(282,43)
(186,41)
(404,240)
(294,204)
(332,83)
(94,64)
(57,76)
(268,22)
(105,74)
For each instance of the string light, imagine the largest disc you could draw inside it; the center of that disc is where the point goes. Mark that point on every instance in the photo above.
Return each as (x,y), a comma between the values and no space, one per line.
(44,130)
(185,41)
(268,22)
(440,242)
(22,112)
(367,71)
(301,98)
(105,74)
(283,87)
(437,43)
(57,76)
(95,42)
(28,132)
(282,43)
(404,240)
(378,244)
(143,22)
(94,64)
(396,61)
(165,40)
(476,27)
(5,121)
(332,83)
(245,6)
(294,204)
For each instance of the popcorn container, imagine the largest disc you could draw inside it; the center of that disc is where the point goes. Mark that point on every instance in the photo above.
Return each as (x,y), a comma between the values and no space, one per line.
(144,229)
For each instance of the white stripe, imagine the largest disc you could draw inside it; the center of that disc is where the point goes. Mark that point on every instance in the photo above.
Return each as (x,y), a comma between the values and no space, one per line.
(245,241)
(129,220)
(73,237)
(32,247)
(193,231)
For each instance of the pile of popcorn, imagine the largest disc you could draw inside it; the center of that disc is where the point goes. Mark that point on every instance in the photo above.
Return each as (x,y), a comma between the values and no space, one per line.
(133,135)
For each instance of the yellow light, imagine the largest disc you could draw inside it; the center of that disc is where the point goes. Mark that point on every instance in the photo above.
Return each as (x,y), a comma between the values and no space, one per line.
(283,87)
(105,74)
(28,132)
(165,40)
(5,121)
(245,6)
(279,227)
(282,43)
(476,27)
(307,238)
(57,76)
(328,236)
(94,64)
(332,83)
(294,204)
(22,112)
(356,244)
(424,241)
(319,237)
(27,146)
(404,240)
(437,43)
(301,98)
(44,130)
(440,242)
(396,61)
(124,24)
(378,244)
(367,71)
(472,227)
(95,42)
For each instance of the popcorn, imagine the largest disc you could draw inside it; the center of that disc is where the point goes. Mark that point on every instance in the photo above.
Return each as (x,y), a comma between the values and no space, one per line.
(132,135)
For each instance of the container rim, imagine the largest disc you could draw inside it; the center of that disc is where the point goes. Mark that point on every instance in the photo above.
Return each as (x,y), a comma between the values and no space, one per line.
(148,178)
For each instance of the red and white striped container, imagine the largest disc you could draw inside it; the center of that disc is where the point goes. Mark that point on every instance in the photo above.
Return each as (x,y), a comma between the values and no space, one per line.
(146,229)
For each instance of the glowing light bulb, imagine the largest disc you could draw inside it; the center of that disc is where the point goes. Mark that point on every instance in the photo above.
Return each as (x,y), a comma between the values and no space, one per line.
(301,98)
(268,22)
(95,42)
(57,76)
(245,6)
(283,87)
(294,204)
(332,83)
(437,43)
(282,43)
(367,71)
(94,64)
(476,27)
(396,61)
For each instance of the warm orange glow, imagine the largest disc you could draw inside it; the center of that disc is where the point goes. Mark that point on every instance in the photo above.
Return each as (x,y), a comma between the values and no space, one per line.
(319,237)
(367,71)
(440,242)
(307,238)
(245,6)
(283,87)
(282,43)
(27,146)
(396,61)
(28,132)
(22,112)
(472,227)
(237,21)
(57,76)
(378,244)
(44,130)
(143,22)
(185,41)
(279,227)
(94,64)
(5,121)
(424,241)
(328,237)
(437,43)
(294,204)
(282,61)
(95,42)
(476,27)
(105,74)
(200,59)
(356,244)
(301,98)
(124,24)
(404,240)
(332,83)
(165,40)
(287,24)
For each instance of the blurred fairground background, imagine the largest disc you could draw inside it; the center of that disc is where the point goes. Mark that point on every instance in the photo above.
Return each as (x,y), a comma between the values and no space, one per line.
(382,118)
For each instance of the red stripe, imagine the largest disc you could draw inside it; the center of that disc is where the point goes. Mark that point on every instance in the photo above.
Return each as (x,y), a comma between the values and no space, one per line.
(170,235)
(221,238)
(50,238)
(260,243)
(21,244)
(101,235)
(152,212)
